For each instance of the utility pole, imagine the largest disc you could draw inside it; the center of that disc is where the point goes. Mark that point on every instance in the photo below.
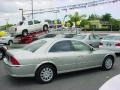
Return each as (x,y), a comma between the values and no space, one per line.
(32,8)
(22,14)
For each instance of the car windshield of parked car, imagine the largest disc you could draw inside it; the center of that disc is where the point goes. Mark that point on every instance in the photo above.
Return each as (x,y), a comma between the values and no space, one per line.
(20,23)
(111,37)
(34,46)
(50,35)
(68,35)
(79,37)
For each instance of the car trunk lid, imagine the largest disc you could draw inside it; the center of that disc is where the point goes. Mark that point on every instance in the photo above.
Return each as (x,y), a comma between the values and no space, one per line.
(110,43)
(18,56)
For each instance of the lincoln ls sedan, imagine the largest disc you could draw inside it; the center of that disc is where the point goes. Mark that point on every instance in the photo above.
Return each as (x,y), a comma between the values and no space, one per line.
(46,58)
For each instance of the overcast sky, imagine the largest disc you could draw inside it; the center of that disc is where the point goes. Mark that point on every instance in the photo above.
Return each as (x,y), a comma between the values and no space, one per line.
(10,9)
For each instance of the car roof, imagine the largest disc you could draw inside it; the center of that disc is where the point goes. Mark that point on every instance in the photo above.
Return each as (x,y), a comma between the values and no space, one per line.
(114,34)
(85,33)
(57,39)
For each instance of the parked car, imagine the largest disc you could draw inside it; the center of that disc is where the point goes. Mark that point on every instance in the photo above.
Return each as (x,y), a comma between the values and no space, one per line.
(112,84)
(26,27)
(55,35)
(2,51)
(101,35)
(7,39)
(111,42)
(45,58)
(89,38)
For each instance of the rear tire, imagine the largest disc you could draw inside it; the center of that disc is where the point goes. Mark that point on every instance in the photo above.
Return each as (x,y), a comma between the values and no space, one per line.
(24,33)
(45,74)
(108,63)
(10,42)
(45,28)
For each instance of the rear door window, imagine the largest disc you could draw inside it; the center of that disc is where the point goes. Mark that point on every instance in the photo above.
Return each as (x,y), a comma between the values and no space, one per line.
(30,22)
(62,46)
(36,22)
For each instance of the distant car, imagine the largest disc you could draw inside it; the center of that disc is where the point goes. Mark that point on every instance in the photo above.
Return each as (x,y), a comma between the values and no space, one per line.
(54,35)
(89,38)
(112,84)
(26,27)
(7,39)
(46,58)
(111,42)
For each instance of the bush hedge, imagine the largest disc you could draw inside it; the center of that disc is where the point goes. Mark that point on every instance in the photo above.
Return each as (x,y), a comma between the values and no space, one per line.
(101,29)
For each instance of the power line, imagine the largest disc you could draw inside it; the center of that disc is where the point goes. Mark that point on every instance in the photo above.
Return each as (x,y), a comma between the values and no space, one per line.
(71,7)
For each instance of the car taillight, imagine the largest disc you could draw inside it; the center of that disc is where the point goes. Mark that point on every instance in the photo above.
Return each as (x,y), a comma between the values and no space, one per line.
(100,43)
(118,44)
(14,61)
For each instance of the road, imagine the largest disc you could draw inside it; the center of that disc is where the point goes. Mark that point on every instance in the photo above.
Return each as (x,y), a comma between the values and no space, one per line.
(82,80)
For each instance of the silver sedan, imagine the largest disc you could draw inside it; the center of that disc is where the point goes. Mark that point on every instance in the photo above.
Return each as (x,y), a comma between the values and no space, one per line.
(45,58)
(89,38)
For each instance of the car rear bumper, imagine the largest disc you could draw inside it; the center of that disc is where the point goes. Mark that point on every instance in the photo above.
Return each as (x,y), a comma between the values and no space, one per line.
(19,70)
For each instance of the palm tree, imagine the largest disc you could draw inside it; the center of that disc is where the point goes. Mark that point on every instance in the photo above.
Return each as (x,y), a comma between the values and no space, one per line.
(76,17)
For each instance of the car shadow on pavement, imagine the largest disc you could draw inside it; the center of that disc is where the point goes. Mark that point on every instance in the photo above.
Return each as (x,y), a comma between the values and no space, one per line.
(21,81)
(78,73)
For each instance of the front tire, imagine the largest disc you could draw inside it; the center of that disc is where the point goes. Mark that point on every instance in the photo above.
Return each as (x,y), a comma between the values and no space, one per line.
(108,63)
(45,74)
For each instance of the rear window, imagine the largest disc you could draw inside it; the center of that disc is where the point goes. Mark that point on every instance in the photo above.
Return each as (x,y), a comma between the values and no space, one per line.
(34,46)
(68,35)
(108,37)
(80,37)
(50,35)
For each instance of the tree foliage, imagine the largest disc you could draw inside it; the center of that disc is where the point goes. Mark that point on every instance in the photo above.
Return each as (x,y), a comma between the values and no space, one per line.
(106,17)
(76,17)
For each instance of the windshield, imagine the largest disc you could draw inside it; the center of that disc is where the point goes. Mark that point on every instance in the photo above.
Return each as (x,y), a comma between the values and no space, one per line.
(50,35)
(34,46)
(80,37)
(111,37)
(68,35)
(20,23)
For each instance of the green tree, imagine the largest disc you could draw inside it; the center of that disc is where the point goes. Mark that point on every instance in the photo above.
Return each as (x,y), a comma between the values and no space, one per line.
(93,17)
(76,17)
(106,17)
(48,20)
(84,22)
(4,27)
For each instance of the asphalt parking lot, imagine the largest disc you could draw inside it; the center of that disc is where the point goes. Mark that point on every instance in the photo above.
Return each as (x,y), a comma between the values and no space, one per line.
(82,80)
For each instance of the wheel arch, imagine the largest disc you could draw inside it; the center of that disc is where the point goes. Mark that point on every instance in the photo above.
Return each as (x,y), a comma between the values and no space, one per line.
(46,63)
(25,30)
(110,55)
